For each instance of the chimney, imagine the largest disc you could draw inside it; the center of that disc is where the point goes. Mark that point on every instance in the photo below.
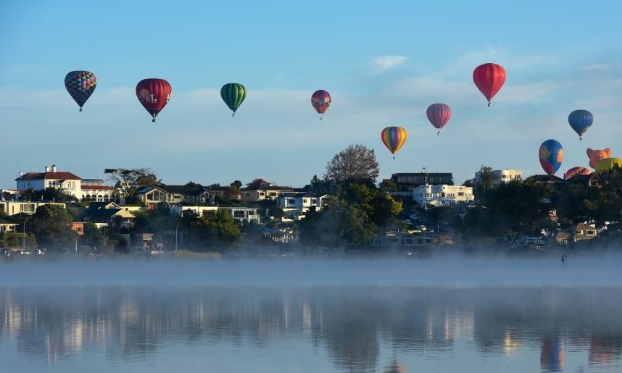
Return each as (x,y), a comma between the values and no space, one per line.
(53,168)
(47,169)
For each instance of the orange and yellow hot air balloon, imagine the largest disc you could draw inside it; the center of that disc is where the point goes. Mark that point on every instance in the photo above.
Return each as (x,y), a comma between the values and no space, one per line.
(393,138)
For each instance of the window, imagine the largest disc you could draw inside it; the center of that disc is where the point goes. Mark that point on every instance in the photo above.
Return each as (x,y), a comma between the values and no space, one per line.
(291,201)
(238,214)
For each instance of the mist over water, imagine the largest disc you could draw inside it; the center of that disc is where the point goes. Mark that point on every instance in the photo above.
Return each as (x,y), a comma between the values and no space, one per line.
(458,271)
(439,313)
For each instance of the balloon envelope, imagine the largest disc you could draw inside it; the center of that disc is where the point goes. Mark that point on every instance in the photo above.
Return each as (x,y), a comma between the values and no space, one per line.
(233,94)
(551,156)
(489,79)
(576,171)
(393,138)
(321,101)
(153,94)
(580,121)
(438,115)
(607,164)
(80,84)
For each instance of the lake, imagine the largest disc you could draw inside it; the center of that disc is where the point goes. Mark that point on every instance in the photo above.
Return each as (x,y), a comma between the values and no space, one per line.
(438,314)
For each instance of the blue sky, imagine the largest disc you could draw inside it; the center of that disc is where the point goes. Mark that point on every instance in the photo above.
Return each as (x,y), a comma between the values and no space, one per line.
(383,64)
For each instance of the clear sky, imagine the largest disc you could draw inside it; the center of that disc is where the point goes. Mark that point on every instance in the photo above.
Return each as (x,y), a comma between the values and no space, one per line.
(383,63)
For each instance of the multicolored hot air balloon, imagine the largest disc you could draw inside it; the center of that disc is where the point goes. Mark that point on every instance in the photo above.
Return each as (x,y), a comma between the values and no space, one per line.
(438,115)
(580,121)
(576,171)
(393,138)
(233,94)
(153,94)
(321,101)
(489,79)
(551,156)
(80,85)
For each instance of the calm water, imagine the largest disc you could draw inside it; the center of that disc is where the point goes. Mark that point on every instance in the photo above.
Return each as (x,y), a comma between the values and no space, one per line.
(434,315)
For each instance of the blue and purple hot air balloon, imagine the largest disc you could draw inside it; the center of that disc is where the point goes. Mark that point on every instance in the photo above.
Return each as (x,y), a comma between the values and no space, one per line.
(551,156)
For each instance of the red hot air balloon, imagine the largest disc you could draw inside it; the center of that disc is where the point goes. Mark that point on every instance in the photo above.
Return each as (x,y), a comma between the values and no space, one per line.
(439,115)
(321,101)
(489,79)
(153,94)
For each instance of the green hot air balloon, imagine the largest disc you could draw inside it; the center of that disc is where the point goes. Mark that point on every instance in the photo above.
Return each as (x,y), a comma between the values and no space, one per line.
(233,94)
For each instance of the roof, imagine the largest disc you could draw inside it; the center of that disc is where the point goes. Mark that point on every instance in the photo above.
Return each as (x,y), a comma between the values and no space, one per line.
(6,222)
(183,189)
(97,187)
(48,176)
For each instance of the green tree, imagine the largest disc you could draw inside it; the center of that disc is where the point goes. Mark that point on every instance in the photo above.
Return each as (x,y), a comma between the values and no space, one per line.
(130,181)
(52,225)
(48,194)
(353,217)
(485,180)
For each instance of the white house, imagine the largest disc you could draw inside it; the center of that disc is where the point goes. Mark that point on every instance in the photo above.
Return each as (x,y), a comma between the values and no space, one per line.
(67,183)
(296,204)
(21,207)
(442,195)
(503,176)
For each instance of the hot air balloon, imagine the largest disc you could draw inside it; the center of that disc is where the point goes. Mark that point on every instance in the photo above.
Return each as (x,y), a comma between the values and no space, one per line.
(153,94)
(233,94)
(580,121)
(551,156)
(393,138)
(80,85)
(321,101)
(489,79)
(576,171)
(438,115)
(607,164)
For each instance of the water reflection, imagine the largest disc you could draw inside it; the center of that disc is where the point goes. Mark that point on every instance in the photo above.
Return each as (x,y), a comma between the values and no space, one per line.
(358,328)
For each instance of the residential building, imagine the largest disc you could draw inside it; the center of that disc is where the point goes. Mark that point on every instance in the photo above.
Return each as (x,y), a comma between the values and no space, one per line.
(7,226)
(502,176)
(108,213)
(67,183)
(151,196)
(21,207)
(260,190)
(578,232)
(296,204)
(407,181)
(442,195)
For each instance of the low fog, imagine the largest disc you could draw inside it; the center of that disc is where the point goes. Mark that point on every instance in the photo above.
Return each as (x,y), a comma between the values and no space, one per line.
(450,271)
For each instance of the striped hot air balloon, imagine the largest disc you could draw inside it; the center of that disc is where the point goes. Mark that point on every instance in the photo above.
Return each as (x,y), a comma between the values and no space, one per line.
(233,94)
(393,138)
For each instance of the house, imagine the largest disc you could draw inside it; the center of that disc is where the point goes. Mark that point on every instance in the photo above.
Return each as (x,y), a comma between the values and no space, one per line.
(260,190)
(443,195)
(67,183)
(108,213)
(19,207)
(175,194)
(578,232)
(401,240)
(502,176)
(407,181)
(7,226)
(296,204)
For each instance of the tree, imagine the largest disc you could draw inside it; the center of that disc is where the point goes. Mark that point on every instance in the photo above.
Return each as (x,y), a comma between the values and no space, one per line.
(355,163)
(52,225)
(48,194)
(485,180)
(130,181)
